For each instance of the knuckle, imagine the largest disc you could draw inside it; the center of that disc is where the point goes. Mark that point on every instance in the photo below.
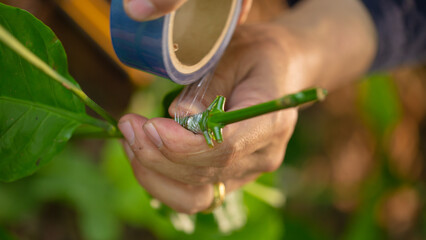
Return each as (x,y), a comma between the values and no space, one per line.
(271,164)
(282,132)
(228,155)
(224,161)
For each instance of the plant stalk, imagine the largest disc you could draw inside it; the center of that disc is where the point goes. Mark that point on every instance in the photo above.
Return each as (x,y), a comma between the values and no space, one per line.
(90,131)
(288,101)
(21,50)
(211,122)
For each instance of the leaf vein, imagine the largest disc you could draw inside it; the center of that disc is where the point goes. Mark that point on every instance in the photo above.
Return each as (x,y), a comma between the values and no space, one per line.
(60,112)
(33,133)
(14,122)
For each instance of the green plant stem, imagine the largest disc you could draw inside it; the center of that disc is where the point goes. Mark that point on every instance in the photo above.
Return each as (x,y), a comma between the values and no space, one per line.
(21,50)
(90,131)
(210,122)
(288,101)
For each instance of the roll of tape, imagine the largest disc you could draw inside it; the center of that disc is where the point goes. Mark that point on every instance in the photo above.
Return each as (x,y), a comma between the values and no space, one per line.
(182,46)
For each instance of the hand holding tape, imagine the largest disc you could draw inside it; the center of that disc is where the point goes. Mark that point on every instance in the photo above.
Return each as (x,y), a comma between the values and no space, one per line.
(181,46)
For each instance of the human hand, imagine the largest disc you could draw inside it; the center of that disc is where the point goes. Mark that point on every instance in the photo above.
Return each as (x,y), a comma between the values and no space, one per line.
(144,10)
(320,43)
(178,168)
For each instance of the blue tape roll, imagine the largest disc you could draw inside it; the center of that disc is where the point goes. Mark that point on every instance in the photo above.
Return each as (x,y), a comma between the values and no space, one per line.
(182,46)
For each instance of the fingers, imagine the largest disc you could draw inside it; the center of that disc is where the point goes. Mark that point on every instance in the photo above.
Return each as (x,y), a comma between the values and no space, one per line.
(181,155)
(183,147)
(142,149)
(144,10)
(185,188)
(241,139)
(181,197)
(163,144)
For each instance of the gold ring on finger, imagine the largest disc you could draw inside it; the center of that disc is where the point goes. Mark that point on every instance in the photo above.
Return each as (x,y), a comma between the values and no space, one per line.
(218,197)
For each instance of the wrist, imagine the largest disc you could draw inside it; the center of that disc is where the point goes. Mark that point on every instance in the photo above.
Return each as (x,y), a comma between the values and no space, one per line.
(338,40)
(302,58)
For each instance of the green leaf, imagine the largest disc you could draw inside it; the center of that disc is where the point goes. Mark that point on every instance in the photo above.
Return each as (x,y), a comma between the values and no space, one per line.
(38,115)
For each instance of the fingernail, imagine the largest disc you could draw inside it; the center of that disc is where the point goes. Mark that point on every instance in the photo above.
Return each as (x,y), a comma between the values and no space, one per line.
(153,134)
(128,151)
(127,130)
(140,9)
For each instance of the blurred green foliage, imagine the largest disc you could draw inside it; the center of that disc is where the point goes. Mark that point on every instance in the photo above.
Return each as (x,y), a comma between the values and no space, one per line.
(379,104)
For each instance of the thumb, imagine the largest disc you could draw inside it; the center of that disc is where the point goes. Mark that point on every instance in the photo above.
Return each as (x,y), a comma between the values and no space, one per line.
(144,10)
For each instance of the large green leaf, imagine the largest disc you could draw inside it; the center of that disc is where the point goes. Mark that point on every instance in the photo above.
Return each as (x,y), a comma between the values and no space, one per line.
(37,114)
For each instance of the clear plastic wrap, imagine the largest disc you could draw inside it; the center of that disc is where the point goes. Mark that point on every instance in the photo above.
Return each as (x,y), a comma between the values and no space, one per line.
(190,100)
